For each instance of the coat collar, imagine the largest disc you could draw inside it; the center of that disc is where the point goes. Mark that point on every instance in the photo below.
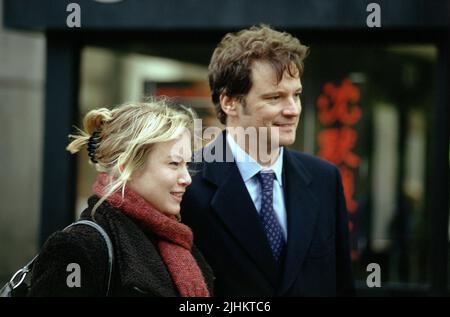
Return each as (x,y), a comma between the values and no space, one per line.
(248,167)
(302,208)
(134,253)
(234,206)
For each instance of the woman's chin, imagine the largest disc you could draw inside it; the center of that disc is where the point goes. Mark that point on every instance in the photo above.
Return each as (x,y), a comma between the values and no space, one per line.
(173,211)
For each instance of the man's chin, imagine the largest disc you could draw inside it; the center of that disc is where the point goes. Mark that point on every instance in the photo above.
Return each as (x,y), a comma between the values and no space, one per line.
(287,141)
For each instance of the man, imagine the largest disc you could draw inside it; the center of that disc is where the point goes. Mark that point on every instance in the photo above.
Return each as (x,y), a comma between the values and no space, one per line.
(270,221)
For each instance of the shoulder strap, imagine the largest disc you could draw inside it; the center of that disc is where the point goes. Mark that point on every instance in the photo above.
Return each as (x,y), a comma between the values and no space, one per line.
(17,280)
(19,277)
(108,245)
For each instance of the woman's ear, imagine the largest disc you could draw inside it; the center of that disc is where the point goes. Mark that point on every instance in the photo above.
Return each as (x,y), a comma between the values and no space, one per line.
(228,105)
(121,169)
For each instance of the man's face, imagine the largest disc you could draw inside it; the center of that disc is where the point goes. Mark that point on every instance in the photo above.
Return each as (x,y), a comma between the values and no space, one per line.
(271,105)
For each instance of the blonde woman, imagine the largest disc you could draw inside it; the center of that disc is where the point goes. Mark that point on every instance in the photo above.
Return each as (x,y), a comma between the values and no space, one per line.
(141,152)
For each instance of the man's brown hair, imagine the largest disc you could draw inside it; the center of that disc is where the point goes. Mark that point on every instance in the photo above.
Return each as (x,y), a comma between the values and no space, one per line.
(229,70)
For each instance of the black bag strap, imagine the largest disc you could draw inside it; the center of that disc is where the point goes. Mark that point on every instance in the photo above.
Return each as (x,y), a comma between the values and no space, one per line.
(108,245)
(19,277)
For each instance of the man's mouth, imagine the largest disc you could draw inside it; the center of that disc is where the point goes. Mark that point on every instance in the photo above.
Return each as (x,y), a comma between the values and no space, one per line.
(284,125)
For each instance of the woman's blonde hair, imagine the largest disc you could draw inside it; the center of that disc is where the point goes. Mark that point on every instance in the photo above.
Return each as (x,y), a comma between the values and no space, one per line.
(126,135)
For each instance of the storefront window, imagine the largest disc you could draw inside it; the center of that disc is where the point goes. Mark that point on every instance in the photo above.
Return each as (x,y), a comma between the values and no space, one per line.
(372,120)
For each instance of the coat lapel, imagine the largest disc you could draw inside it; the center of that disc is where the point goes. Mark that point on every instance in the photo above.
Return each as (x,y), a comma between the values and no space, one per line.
(301,207)
(233,204)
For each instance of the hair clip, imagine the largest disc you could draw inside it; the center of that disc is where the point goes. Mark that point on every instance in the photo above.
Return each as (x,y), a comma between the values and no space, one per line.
(92,145)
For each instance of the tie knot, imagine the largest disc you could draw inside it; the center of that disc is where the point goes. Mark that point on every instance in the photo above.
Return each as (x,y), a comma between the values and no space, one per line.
(266,179)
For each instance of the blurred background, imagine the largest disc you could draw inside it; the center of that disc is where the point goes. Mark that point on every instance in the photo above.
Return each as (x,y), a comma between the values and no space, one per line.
(375,103)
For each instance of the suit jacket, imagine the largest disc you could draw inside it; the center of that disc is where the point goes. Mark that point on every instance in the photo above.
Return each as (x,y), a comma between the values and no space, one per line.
(228,231)
(138,269)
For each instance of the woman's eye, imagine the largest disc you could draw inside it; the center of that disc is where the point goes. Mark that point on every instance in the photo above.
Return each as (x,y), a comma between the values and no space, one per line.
(298,95)
(175,163)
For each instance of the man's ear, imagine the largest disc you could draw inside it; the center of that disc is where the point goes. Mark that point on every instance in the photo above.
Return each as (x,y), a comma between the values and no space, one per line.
(228,105)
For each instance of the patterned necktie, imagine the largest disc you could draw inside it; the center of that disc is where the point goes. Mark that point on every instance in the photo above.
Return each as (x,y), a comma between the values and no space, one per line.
(267,214)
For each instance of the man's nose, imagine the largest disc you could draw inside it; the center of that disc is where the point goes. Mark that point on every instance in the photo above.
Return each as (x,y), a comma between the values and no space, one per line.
(292,108)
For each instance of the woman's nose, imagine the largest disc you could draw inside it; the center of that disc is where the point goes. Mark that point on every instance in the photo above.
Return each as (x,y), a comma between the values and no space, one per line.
(185,178)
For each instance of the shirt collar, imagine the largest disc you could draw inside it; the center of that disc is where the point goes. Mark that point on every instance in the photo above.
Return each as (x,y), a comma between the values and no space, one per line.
(248,167)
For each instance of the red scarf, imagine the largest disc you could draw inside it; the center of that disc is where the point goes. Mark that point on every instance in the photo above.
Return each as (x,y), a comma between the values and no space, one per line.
(175,239)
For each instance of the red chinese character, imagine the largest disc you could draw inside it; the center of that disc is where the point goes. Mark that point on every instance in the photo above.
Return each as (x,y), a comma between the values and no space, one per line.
(336,146)
(348,182)
(339,104)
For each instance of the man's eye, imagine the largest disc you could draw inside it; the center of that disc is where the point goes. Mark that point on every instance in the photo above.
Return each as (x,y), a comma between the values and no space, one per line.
(274,97)
(175,163)
(298,95)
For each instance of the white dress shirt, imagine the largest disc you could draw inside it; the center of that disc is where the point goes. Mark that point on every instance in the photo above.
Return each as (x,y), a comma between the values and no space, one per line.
(249,168)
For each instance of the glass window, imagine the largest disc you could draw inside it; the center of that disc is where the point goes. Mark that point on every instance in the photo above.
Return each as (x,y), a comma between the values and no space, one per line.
(371,107)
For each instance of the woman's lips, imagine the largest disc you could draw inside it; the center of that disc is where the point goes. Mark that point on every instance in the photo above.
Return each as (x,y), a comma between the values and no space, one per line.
(178,196)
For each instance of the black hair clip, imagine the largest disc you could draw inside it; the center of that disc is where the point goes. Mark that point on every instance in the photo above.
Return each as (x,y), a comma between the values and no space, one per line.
(92,145)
